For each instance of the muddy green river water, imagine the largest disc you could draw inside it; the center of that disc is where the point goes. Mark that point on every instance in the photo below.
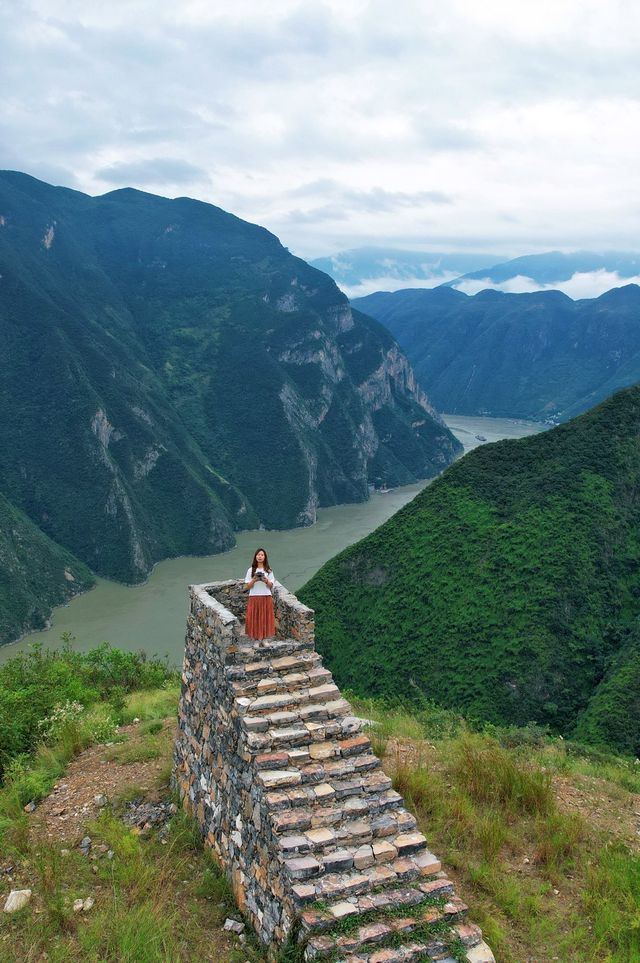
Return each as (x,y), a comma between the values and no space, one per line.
(152,616)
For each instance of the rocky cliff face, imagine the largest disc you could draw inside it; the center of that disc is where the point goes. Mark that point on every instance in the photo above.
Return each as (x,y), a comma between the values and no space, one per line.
(170,374)
(534,356)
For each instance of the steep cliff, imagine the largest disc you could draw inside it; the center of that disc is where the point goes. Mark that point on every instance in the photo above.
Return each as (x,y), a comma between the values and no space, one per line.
(170,374)
(515,355)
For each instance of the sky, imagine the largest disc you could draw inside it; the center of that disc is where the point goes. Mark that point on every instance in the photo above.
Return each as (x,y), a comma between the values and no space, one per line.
(508,127)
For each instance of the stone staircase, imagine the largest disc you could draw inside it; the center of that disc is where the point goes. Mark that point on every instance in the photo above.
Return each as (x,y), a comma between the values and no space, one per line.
(356,880)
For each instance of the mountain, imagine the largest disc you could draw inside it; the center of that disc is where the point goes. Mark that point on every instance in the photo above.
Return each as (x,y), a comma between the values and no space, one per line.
(553,269)
(365,269)
(509,589)
(35,574)
(170,374)
(515,355)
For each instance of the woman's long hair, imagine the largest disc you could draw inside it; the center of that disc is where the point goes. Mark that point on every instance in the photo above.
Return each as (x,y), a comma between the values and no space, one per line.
(254,564)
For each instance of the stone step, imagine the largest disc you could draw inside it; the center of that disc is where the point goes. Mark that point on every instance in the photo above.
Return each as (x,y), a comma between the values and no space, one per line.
(303,661)
(415,951)
(268,650)
(271,730)
(271,683)
(390,929)
(283,730)
(305,698)
(355,839)
(395,899)
(290,733)
(316,773)
(303,752)
(336,888)
(326,803)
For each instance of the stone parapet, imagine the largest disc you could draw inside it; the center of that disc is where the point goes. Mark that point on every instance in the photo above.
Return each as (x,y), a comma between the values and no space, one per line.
(274,767)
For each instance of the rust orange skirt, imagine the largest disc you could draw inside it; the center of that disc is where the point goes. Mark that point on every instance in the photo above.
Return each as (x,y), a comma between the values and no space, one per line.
(260,621)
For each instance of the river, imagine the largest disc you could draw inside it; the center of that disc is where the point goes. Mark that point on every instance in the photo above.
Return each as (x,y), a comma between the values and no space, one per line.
(152,616)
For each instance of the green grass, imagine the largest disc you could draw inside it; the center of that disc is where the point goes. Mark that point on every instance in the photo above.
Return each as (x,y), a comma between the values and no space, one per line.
(152,704)
(153,902)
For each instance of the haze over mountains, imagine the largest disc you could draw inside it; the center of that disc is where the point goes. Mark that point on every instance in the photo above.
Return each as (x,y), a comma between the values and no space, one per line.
(534,356)
(170,374)
(581,274)
(366,269)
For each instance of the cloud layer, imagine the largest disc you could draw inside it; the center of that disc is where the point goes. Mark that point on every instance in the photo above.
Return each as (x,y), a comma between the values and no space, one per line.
(582,284)
(465,125)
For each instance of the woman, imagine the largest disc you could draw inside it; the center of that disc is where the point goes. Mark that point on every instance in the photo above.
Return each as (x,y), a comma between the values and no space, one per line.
(260,621)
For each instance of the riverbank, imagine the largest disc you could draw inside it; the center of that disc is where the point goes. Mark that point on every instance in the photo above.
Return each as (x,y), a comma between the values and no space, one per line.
(151,615)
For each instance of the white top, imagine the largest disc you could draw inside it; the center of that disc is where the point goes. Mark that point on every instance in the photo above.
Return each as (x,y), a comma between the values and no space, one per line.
(260,588)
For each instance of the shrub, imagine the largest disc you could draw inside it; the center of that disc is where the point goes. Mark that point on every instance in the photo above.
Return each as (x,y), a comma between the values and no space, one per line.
(35,685)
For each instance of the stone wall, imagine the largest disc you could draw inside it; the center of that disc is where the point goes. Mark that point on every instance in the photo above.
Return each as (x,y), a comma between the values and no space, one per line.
(272,764)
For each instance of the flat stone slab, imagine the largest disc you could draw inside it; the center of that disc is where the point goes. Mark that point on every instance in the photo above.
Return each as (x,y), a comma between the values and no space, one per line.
(303,867)
(271,778)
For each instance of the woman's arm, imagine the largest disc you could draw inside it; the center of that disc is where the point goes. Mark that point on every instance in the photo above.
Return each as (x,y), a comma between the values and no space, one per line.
(249,582)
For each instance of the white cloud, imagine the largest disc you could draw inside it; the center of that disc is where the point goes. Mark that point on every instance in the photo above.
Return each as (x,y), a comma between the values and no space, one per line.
(340,124)
(586,284)
(393,283)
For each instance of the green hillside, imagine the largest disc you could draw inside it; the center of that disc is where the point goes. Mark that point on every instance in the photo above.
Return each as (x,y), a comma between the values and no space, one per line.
(170,374)
(35,574)
(509,589)
(515,355)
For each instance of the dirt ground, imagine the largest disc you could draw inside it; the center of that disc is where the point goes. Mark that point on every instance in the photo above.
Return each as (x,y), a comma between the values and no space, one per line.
(64,813)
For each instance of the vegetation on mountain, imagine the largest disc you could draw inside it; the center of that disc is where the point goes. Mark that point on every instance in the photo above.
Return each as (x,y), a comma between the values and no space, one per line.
(515,355)
(35,574)
(553,266)
(170,374)
(509,589)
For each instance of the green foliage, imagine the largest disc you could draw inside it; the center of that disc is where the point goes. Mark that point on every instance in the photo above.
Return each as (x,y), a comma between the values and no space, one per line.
(184,361)
(612,717)
(35,574)
(505,590)
(38,691)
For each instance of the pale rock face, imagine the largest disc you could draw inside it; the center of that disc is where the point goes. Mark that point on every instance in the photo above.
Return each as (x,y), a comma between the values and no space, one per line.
(287,302)
(141,413)
(48,237)
(147,463)
(17,900)
(376,389)
(103,430)
(342,317)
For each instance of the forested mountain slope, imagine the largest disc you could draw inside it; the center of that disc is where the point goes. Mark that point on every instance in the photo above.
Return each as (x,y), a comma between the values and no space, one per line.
(515,355)
(35,574)
(508,589)
(170,373)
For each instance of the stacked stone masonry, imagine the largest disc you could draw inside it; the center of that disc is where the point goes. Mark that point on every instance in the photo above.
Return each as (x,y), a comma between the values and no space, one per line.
(281,779)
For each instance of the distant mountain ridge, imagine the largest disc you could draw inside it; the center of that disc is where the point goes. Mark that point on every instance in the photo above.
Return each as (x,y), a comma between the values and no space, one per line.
(170,374)
(533,356)
(580,274)
(553,268)
(509,589)
(372,268)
